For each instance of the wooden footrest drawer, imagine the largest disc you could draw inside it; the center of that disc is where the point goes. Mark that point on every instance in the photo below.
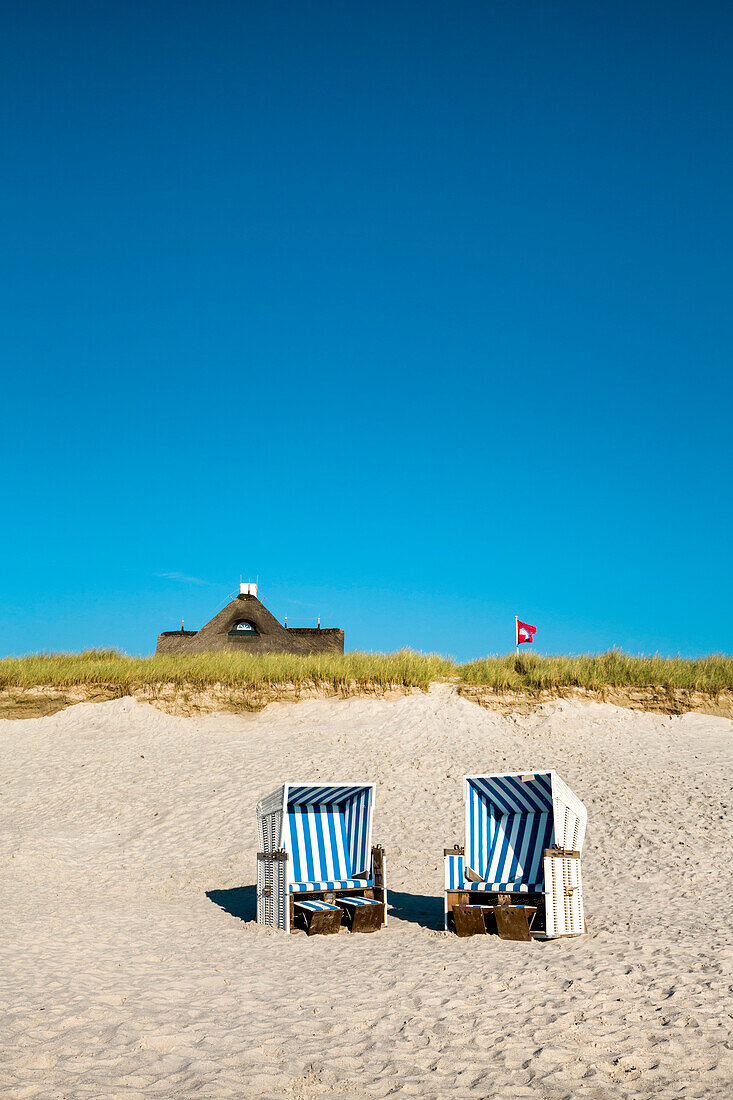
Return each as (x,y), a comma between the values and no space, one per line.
(513,922)
(363,914)
(320,917)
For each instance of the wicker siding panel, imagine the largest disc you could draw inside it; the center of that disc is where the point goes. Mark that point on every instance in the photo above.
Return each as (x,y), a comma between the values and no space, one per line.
(563,896)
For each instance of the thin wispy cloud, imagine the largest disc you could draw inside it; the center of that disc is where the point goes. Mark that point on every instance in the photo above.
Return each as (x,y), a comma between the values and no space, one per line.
(183,578)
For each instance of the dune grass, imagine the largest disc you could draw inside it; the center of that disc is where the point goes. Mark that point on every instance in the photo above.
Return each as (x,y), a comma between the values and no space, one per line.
(113,671)
(116,673)
(528,673)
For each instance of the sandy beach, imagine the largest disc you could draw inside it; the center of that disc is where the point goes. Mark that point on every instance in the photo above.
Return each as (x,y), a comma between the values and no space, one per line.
(130,964)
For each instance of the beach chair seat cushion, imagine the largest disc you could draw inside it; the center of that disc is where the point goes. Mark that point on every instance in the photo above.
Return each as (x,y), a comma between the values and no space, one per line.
(516,887)
(331,884)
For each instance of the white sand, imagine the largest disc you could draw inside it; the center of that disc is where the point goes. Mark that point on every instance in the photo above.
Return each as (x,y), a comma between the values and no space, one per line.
(119,977)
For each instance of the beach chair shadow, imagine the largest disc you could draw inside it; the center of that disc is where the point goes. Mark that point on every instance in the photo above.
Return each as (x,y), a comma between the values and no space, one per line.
(423,909)
(240,902)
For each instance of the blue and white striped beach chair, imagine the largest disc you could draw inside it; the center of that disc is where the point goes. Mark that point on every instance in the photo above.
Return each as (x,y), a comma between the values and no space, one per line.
(520,868)
(317,864)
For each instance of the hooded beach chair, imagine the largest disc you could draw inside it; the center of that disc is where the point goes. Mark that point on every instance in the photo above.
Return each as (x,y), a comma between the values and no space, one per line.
(519,873)
(317,866)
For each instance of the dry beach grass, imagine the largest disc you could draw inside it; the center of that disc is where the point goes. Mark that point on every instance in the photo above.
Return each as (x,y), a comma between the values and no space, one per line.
(207,682)
(130,966)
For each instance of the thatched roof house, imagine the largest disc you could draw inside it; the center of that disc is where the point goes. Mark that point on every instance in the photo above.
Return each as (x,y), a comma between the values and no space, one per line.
(246,626)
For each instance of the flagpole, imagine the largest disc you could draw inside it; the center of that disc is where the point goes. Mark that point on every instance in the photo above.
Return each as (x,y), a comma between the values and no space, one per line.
(516,632)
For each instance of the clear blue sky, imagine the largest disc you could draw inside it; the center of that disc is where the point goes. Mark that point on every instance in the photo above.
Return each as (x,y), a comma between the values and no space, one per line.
(419,311)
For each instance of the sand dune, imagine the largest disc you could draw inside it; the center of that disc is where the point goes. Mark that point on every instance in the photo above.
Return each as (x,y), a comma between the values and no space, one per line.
(130,966)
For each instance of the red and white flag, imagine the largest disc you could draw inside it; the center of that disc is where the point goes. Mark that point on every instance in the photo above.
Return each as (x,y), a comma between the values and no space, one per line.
(525,632)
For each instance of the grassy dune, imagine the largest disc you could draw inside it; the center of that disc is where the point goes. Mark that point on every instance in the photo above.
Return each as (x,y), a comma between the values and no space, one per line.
(108,669)
(113,672)
(706,675)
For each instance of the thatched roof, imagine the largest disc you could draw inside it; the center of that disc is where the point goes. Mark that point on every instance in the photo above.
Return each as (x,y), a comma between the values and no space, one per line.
(268,634)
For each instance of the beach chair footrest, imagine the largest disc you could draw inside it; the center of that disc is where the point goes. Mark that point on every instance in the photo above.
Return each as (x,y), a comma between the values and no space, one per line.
(470,920)
(320,917)
(513,922)
(363,914)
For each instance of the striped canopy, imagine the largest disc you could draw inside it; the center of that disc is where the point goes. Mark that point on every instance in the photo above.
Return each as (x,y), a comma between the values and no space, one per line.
(509,823)
(519,792)
(327,833)
(301,795)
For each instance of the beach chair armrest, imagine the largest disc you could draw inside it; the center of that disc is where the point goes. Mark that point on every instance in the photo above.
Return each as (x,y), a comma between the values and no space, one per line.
(379,866)
(454,864)
(379,878)
(272,902)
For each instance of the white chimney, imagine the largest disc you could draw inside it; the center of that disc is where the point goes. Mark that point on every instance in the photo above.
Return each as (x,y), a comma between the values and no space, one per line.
(246,588)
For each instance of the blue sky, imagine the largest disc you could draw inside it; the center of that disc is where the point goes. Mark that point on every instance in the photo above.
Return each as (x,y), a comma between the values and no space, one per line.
(419,311)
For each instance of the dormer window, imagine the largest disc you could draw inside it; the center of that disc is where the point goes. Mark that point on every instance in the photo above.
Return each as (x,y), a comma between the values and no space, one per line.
(243,628)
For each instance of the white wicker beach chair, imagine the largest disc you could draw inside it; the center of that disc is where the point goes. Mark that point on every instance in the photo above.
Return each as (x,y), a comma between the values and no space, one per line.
(317,865)
(520,870)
